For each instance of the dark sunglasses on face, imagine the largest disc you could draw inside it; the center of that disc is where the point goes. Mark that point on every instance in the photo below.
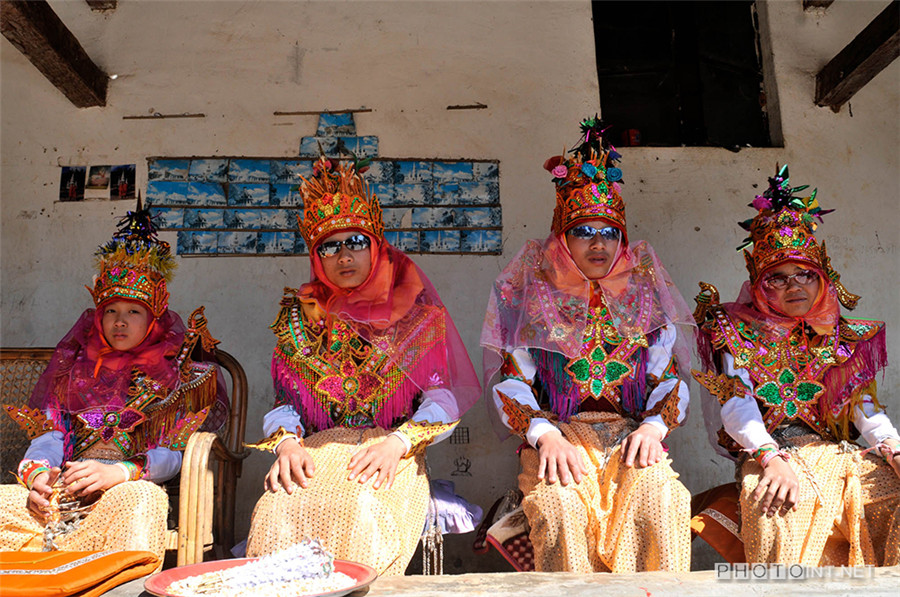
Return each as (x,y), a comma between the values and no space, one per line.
(357,242)
(589,232)
(780,281)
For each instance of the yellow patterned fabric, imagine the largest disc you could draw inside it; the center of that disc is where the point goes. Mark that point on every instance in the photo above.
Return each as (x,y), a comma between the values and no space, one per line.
(421,433)
(354,522)
(848,513)
(618,519)
(130,516)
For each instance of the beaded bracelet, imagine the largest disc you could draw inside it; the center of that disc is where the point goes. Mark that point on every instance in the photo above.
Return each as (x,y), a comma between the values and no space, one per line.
(30,469)
(135,467)
(770,454)
(887,452)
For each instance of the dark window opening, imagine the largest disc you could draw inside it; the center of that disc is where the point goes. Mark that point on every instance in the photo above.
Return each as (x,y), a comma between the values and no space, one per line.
(681,73)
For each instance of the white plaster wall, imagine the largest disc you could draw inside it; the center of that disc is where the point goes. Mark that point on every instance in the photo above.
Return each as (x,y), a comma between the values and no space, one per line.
(531,63)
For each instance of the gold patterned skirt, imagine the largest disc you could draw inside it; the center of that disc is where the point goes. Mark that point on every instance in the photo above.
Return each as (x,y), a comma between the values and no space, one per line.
(848,513)
(354,522)
(129,516)
(618,519)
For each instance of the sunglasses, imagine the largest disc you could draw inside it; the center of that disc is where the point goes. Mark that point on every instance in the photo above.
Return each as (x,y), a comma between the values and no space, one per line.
(357,242)
(780,281)
(589,232)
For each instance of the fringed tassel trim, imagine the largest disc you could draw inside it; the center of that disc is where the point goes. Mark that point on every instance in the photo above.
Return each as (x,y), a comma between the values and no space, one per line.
(846,384)
(164,422)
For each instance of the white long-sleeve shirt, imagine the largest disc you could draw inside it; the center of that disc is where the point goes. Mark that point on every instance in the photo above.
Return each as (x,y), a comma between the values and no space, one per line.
(743,420)
(659,357)
(428,412)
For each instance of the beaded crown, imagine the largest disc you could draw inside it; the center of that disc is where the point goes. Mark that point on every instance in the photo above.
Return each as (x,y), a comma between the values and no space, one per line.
(782,230)
(587,181)
(337,198)
(135,265)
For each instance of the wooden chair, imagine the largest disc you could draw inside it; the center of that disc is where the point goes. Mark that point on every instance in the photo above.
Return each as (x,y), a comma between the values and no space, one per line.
(210,468)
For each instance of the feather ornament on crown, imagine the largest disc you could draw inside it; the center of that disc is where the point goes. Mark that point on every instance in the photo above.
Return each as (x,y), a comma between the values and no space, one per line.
(337,198)
(135,265)
(587,181)
(783,230)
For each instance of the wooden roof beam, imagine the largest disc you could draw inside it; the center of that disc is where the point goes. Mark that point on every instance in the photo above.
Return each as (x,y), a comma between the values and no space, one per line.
(41,36)
(863,58)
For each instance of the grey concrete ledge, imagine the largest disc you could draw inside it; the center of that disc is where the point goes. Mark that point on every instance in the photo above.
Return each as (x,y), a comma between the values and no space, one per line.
(883,582)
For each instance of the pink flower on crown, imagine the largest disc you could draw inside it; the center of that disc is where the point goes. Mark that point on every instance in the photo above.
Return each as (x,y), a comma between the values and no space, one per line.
(761,203)
(560,171)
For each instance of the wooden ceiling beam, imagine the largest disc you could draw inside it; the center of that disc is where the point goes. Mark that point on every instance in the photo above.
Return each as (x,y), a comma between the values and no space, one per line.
(863,58)
(41,36)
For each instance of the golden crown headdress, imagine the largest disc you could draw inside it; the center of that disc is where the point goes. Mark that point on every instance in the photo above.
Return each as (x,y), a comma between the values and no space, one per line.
(587,182)
(337,198)
(783,231)
(135,265)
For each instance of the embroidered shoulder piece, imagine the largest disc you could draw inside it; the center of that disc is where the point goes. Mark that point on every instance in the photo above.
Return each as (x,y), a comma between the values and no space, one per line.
(722,386)
(196,332)
(520,415)
(859,330)
(510,369)
(421,433)
(32,421)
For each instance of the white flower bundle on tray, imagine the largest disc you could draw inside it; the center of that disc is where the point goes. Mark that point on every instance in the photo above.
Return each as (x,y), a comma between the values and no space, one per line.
(302,568)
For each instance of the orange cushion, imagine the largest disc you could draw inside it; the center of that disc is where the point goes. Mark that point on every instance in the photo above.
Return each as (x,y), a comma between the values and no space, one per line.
(716,519)
(65,573)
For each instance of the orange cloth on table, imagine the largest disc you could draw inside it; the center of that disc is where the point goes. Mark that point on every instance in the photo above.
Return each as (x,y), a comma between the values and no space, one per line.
(71,573)
(618,519)
(353,521)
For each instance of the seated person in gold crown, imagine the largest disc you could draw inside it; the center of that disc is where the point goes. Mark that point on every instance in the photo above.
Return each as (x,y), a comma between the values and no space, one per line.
(792,383)
(589,336)
(368,370)
(111,415)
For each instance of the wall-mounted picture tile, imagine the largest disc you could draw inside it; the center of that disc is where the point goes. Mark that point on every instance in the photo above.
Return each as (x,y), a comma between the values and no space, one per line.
(412,194)
(407,172)
(336,125)
(168,218)
(242,218)
(210,170)
(467,193)
(275,243)
(380,172)
(248,194)
(367,147)
(477,217)
(167,193)
(440,241)
(236,242)
(452,171)
(480,241)
(248,171)
(197,243)
(204,218)
(309,146)
(167,170)
(206,193)
(121,182)
(285,195)
(397,217)
(347,144)
(71,183)
(98,177)
(485,171)
(289,171)
(289,218)
(405,240)
(390,237)
(432,217)
(384,192)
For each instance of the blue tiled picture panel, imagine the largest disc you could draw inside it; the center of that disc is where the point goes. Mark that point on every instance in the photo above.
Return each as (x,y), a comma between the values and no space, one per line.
(168,170)
(208,170)
(249,171)
(250,206)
